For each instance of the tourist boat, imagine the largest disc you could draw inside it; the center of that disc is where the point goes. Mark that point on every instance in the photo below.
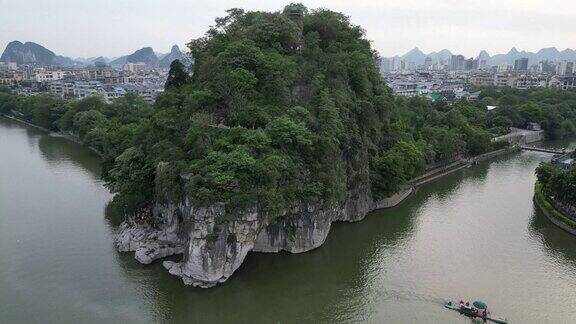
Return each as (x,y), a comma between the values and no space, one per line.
(478,305)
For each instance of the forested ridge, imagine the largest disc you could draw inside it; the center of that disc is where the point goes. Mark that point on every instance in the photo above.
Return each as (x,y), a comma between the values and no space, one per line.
(281,108)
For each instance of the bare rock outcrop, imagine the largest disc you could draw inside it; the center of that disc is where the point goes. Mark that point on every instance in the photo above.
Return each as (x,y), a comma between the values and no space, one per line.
(215,242)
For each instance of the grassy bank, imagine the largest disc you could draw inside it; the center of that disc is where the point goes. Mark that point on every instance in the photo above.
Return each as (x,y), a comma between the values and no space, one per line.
(548,208)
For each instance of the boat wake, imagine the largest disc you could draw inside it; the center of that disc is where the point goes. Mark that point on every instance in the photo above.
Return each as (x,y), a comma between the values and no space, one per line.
(411,296)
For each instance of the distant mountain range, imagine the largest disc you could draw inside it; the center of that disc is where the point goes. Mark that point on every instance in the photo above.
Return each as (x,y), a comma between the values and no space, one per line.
(143,55)
(175,54)
(551,54)
(32,53)
(26,53)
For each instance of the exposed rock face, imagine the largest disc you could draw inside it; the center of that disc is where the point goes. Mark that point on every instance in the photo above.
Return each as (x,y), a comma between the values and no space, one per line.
(32,53)
(175,54)
(143,55)
(215,249)
(214,243)
(148,243)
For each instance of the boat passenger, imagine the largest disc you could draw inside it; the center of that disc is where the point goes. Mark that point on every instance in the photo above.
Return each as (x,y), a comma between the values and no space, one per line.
(467,310)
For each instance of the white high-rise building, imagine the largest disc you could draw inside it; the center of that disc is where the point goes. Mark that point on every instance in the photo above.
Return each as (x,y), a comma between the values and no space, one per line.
(565,68)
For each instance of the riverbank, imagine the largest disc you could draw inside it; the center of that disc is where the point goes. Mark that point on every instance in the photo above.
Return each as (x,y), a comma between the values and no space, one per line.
(68,136)
(213,250)
(58,260)
(556,216)
(22,121)
(438,173)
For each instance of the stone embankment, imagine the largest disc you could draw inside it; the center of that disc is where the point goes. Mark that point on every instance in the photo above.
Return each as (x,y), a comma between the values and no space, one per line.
(555,215)
(25,122)
(437,173)
(518,136)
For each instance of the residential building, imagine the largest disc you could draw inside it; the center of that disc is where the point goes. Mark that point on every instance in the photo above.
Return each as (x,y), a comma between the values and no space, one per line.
(524,82)
(42,75)
(64,89)
(112,92)
(135,67)
(563,82)
(471,64)
(457,63)
(105,74)
(10,77)
(83,89)
(504,80)
(565,68)
(8,66)
(149,94)
(521,64)
(546,67)
(482,79)
(428,63)
(385,65)
(504,67)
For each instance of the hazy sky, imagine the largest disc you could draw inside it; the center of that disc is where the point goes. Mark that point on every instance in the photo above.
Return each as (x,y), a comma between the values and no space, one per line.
(116,27)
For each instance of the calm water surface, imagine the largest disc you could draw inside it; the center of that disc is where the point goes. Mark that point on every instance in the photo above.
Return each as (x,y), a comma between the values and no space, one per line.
(474,234)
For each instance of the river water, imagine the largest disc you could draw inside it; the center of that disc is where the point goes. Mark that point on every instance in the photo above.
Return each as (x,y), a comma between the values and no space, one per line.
(475,234)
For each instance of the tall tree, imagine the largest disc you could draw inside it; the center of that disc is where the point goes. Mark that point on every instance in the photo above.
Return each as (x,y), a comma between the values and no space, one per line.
(177,76)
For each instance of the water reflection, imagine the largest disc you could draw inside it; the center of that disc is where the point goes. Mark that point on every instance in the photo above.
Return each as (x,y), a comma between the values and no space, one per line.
(32,134)
(270,287)
(554,241)
(319,284)
(56,150)
(472,233)
(113,215)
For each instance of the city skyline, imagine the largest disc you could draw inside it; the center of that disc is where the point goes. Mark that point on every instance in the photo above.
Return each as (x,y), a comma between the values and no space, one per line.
(114,28)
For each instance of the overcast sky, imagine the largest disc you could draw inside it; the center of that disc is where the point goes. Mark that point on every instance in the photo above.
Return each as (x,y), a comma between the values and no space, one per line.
(83,28)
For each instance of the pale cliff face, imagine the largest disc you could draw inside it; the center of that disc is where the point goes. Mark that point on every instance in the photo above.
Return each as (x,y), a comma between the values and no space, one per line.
(214,249)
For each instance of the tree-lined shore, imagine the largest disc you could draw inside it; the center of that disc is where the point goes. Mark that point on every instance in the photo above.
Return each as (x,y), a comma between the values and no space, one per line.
(283,107)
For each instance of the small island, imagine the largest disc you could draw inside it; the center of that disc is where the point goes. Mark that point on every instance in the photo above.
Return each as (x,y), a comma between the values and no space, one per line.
(283,127)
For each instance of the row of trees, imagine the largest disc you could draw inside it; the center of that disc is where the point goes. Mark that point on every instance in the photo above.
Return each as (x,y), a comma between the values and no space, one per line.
(111,129)
(281,108)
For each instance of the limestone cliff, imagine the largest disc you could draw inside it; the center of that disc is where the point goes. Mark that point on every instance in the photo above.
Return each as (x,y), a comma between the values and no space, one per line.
(281,135)
(214,244)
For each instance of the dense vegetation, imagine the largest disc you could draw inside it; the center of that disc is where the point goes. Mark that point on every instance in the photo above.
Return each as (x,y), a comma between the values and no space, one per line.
(558,183)
(553,109)
(550,207)
(281,107)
